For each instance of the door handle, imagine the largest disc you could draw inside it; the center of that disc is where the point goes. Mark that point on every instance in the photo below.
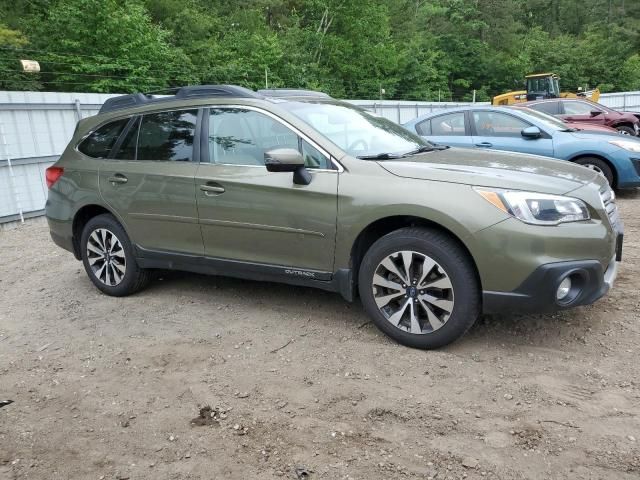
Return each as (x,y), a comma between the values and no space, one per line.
(118,178)
(210,190)
(484,145)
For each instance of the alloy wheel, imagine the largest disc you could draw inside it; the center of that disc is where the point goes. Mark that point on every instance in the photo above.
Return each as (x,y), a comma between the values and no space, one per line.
(413,292)
(106,257)
(593,167)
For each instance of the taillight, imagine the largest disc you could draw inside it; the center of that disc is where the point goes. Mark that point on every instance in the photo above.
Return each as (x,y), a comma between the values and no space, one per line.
(52,175)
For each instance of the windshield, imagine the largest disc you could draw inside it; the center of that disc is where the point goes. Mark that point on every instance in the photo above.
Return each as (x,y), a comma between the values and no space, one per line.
(357,132)
(548,120)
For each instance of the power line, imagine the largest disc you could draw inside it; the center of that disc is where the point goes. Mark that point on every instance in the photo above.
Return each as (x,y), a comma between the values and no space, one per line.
(128,77)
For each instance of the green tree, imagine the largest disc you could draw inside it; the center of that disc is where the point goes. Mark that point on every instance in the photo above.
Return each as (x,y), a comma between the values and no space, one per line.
(106,46)
(12,43)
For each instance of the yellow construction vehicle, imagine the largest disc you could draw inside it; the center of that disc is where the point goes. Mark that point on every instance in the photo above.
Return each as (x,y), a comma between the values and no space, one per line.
(541,86)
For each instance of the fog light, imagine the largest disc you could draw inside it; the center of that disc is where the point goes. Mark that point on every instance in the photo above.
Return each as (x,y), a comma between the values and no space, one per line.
(563,289)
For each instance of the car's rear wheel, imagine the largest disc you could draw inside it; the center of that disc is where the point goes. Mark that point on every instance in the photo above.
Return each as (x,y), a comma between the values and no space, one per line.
(108,257)
(419,287)
(599,166)
(626,130)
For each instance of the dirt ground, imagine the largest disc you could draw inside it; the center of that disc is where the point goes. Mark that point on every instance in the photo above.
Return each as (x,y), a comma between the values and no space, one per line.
(299,384)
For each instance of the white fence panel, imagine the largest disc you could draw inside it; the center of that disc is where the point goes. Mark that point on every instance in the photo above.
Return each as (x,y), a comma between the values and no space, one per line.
(403,111)
(628,101)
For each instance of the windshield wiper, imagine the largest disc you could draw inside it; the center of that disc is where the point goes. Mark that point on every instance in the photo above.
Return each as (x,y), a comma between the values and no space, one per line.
(381,156)
(427,148)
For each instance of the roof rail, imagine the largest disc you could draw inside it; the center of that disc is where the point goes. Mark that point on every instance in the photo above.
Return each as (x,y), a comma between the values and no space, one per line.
(291,92)
(193,91)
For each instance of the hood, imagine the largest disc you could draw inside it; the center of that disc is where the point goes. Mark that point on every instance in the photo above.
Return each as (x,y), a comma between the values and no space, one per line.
(490,168)
(627,117)
(591,127)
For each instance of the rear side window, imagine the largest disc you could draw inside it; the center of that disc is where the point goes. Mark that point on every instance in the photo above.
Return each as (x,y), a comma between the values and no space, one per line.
(167,136)
(127,149)
(100,142)
(551,108)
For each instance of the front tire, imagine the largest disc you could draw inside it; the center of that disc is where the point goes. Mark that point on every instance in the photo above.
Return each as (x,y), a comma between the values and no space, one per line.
(419,287)
(108,257)
(599,166)
(626,130)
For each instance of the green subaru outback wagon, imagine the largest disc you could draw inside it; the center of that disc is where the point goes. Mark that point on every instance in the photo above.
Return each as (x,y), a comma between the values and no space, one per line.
(293,186)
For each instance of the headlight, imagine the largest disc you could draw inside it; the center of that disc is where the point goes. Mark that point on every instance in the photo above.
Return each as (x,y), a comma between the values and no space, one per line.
(537,208)
(628,145)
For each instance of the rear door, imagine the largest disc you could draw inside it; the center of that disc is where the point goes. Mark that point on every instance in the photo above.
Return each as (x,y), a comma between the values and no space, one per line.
(254,216)
(450,129)
(503,131)
(577,111)
(149,181)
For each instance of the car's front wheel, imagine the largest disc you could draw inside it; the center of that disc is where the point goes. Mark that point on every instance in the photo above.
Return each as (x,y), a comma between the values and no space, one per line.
(108,257)
(624,130)
(419,287)
(598,166)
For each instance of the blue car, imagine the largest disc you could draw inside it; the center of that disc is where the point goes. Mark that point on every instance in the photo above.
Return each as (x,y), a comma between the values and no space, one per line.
(528,131)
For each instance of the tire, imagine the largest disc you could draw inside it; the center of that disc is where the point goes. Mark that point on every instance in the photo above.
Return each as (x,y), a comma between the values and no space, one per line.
(101,230)
(626,130)
(454,310)
(599,166)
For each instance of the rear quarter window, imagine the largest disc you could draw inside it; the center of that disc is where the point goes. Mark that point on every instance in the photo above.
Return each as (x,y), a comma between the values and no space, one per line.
(100,142)
(551,108)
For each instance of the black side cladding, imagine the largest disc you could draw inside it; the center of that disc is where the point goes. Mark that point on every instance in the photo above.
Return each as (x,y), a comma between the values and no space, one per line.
(194,91)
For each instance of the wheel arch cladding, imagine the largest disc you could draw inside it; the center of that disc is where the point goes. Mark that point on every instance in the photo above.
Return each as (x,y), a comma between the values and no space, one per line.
(383,226)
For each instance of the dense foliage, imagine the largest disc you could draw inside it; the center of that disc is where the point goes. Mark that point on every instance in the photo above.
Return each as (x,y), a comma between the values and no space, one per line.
(413,49)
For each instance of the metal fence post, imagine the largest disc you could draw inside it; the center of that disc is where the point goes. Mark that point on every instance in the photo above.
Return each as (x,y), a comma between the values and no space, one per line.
(12,178)
(399,113)
(78,110)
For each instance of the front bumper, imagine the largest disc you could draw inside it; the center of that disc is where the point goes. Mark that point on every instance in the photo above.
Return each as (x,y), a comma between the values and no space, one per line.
(537,294)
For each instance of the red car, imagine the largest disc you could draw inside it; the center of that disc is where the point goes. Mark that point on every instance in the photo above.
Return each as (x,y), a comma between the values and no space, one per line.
(585,111)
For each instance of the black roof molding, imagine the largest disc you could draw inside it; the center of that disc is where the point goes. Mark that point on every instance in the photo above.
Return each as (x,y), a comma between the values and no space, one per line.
(194,91)
(291,92)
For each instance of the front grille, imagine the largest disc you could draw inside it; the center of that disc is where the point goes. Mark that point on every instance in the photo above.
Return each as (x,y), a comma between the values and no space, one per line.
(609,202)
(636,163)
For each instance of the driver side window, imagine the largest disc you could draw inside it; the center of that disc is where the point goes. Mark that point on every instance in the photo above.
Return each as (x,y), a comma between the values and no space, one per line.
(241,137)
(494,124)
(578,108)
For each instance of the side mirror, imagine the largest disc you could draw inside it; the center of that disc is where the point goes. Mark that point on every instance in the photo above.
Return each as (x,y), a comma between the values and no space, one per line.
(595,113)
(287,160)
(531,132)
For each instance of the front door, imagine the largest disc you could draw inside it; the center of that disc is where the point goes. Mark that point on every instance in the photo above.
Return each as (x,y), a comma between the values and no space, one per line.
(150,182)
(502,131)
(255,216)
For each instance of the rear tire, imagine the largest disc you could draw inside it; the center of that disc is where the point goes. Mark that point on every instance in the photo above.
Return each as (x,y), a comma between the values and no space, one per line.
(108,257)
(599,166)
(626,130)
(431,305)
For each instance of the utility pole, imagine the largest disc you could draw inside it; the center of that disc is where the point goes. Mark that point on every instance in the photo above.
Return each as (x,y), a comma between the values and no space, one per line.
(266,78)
